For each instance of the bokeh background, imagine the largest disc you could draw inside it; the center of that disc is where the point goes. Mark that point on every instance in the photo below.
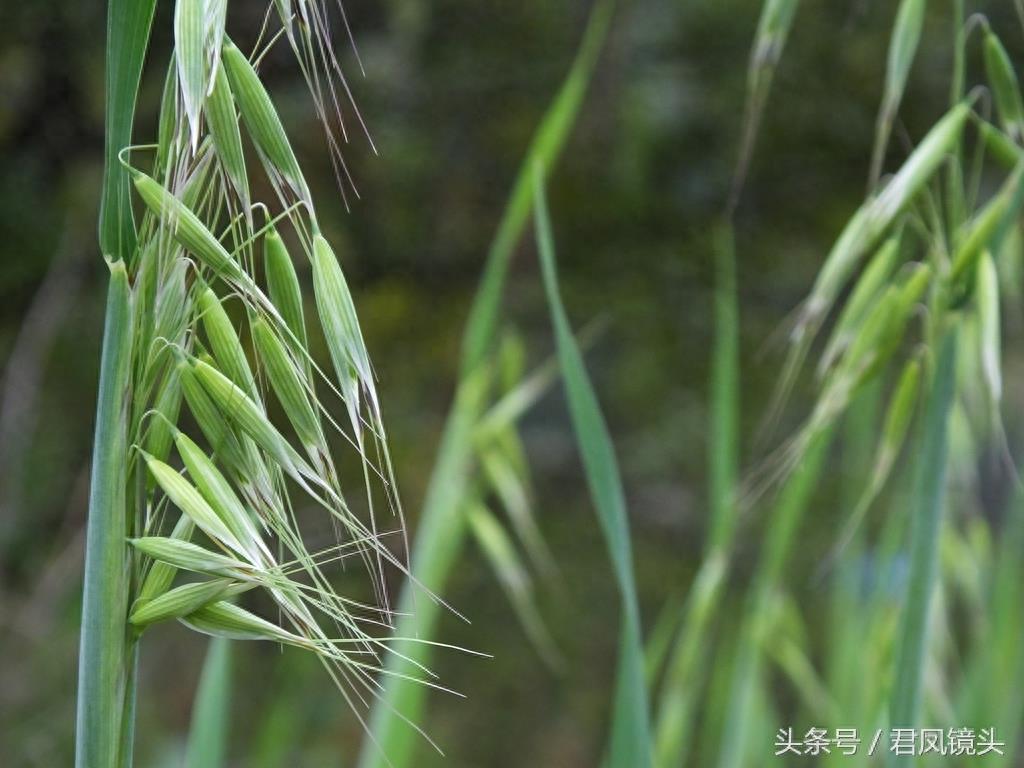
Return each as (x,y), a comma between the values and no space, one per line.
(452,92)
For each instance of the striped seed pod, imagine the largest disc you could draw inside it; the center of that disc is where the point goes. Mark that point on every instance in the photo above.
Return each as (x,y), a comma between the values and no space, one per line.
(987,298)
(238,408)
(283,284)
(341,329)
(223,619)
(227,139)
(178,602)
(190,54)
(187,229)
(160,576)
(286,378)
(224,342)
(186,498)
(262,120)
(218,492)
(177,553)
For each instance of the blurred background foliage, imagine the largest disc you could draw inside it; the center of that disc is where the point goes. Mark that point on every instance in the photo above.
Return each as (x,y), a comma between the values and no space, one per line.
(453,90)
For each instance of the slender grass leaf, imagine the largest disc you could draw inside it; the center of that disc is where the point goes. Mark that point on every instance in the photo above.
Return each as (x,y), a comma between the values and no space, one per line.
(128,26)
(630,745)
(927,515)
(442,527)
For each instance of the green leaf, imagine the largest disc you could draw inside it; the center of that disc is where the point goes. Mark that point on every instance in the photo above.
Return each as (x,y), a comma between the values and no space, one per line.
(783,526)
(128,26)
(544,149)
(630,745)
(927,513)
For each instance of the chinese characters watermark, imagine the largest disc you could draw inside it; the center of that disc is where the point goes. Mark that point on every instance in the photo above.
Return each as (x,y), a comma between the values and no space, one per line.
(910,742)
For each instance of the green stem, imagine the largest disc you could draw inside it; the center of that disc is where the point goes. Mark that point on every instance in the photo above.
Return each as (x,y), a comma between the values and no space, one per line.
(106,664)
(783,527)
(929,500)
(684,677)
(104,661)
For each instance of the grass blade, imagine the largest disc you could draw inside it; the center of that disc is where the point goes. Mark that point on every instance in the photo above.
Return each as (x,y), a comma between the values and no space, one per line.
(630,745)
(208,734)
(785,520)
(544,149)
(929,499)
(442,526)
(128,25)
(676,706)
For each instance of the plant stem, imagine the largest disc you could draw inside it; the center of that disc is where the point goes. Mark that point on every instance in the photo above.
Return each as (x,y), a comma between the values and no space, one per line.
(104,663)
(684,675)
(783,526)
(929,496)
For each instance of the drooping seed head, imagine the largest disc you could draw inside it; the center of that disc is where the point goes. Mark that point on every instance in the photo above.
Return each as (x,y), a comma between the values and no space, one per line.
(874,218)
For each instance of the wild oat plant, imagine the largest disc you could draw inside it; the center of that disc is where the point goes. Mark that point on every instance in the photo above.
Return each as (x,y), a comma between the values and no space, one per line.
(905,313)
(215,423)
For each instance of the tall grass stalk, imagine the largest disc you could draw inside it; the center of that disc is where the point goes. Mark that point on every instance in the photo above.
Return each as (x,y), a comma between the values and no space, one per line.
(783,524)
(683,679)
(929,502)
(105,657)
(442,524)
(106,666)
